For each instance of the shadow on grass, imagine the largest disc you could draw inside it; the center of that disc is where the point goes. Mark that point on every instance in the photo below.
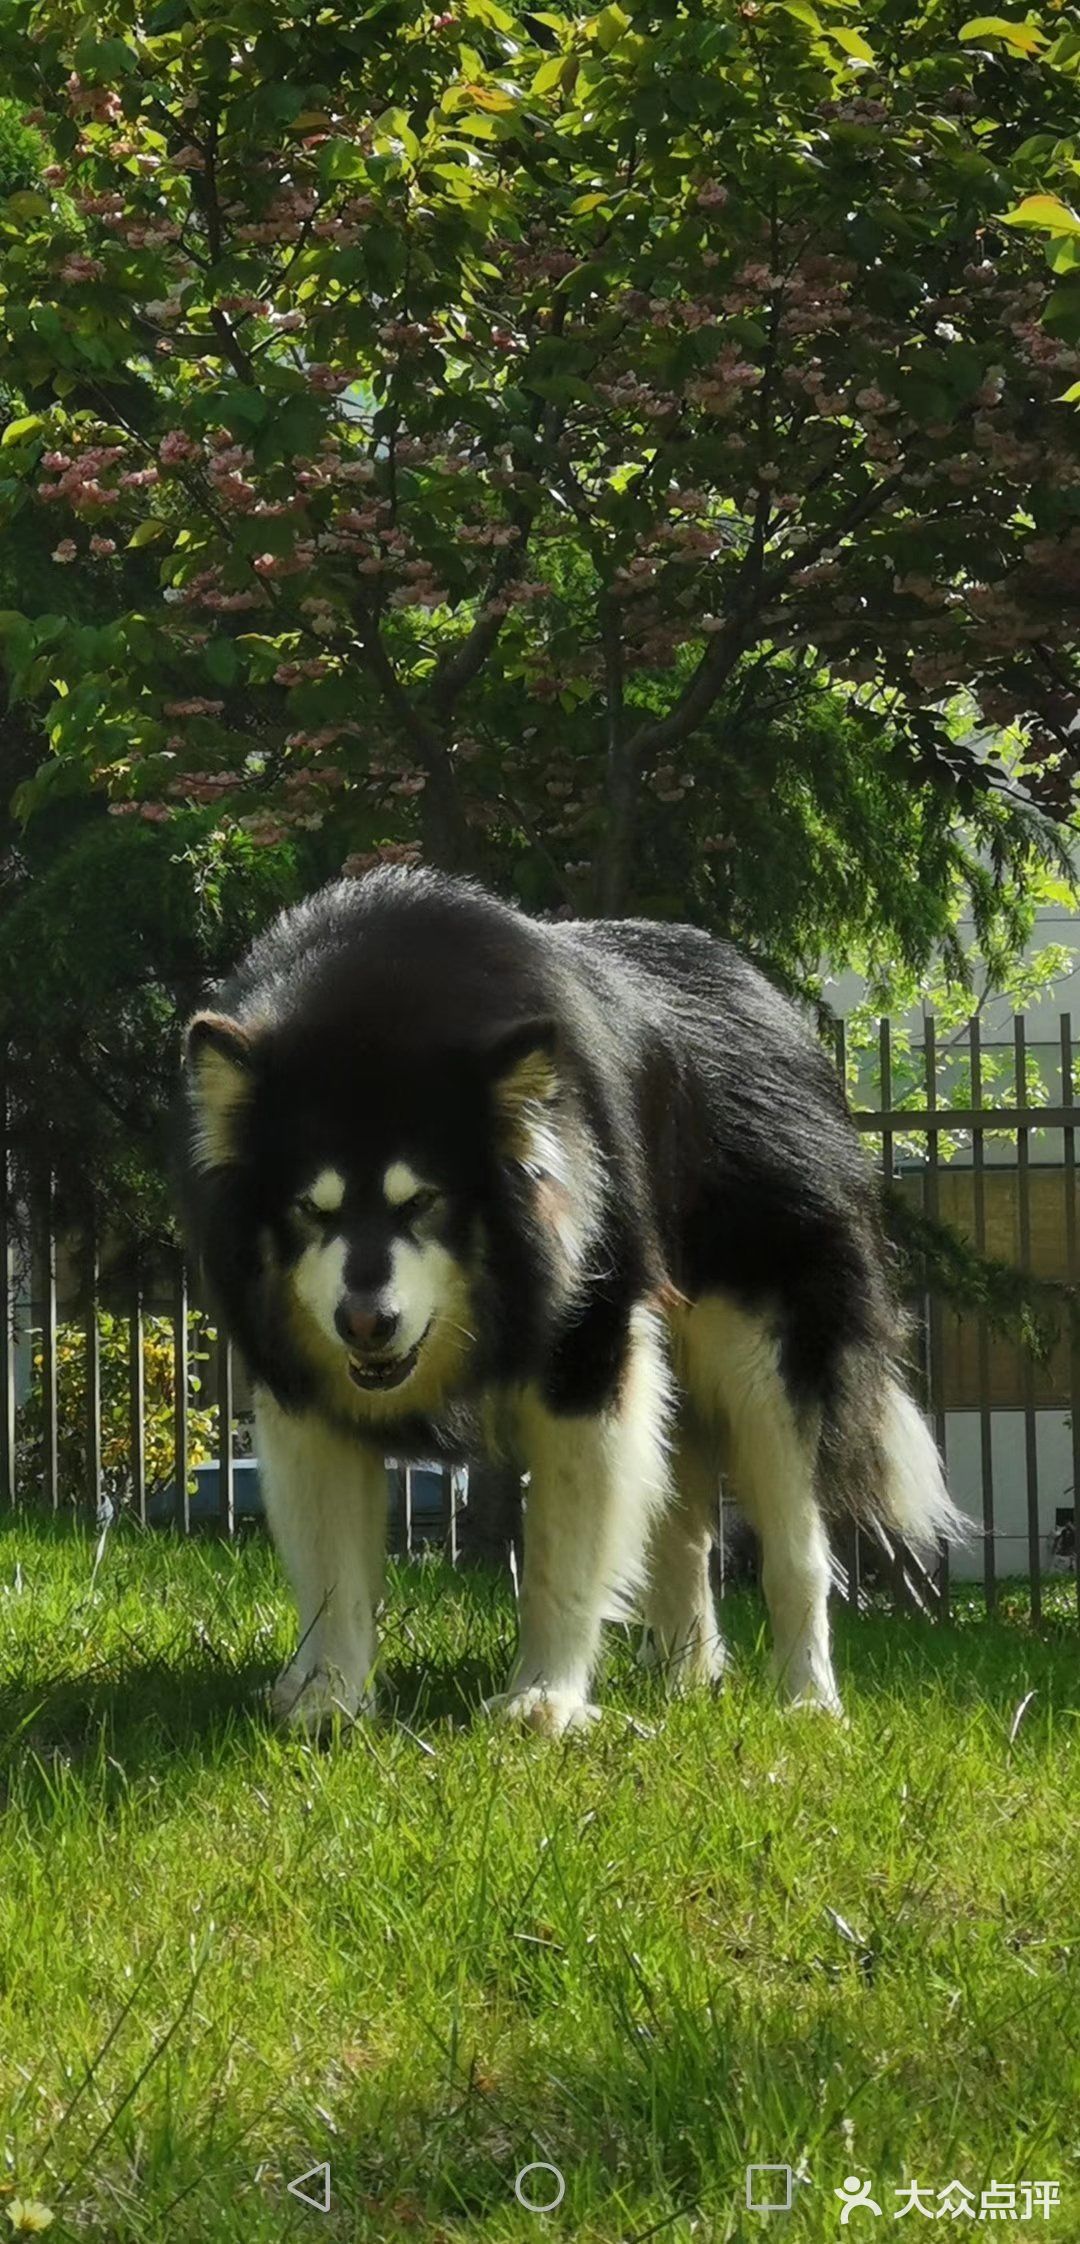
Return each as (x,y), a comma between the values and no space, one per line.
(447,1644)
(143,1712)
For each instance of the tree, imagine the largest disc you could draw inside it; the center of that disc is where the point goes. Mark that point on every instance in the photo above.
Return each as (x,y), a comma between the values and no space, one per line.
(461,407)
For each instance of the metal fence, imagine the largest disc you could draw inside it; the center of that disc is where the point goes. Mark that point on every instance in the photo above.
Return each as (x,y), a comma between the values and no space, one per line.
(999,1159)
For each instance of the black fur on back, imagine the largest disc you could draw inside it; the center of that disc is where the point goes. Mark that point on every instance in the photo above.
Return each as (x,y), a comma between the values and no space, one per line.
(723,1154)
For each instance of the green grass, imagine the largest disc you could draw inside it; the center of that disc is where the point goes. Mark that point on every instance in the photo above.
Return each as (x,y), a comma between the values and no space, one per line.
(443,1951)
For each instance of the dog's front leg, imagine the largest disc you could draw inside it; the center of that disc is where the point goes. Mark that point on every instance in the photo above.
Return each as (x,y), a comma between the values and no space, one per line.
(325,1499)
(595,1483)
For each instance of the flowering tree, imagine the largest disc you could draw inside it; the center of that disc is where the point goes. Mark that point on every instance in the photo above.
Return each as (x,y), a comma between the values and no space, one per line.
(454,408)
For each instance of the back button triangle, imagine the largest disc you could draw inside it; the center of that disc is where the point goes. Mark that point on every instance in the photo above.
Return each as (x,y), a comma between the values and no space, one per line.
(321,2174)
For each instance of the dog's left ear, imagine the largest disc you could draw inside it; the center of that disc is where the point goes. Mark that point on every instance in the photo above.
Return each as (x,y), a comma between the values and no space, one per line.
(219,1060)
(523,1071)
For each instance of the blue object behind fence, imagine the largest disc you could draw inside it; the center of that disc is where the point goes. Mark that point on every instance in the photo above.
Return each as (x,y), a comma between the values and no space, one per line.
(429,1493)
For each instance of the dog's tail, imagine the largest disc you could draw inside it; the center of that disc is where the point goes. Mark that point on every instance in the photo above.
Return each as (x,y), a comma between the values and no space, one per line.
(914,1498)
(881,1461)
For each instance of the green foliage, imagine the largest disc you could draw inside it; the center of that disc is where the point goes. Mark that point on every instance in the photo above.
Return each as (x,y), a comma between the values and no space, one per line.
(575,363)
(107,936)
(594,448)
(1034,1311)
(23,154)
(159,1376)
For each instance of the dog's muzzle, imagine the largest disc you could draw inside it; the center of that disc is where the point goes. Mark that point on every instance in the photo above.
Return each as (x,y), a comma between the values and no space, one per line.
(378,1375)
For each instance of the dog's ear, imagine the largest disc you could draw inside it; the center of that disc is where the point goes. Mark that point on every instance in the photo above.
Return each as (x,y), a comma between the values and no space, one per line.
(522,1067)
(219,1061)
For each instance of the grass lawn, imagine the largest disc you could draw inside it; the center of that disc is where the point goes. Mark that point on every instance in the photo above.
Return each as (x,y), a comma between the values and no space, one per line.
(443,1951)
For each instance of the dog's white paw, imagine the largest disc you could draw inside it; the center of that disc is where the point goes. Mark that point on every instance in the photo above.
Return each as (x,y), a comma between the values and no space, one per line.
(817,1702)
(551,1712)
(310,1700)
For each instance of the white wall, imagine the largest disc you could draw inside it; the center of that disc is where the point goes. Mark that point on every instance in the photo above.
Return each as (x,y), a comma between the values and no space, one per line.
(963,1460)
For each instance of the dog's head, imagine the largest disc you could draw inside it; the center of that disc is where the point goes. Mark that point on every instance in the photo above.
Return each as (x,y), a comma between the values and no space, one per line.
(367,1177)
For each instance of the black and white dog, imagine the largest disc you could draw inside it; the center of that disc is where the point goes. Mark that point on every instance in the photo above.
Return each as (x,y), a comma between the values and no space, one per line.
(582,1194)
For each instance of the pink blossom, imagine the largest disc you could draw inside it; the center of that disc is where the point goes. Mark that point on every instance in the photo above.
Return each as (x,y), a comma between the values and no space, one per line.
(97,103)
(102,548)
(66,550)
(197,706)
(278,564)
(387,853)
(262,827)
(176,447)
(81,269)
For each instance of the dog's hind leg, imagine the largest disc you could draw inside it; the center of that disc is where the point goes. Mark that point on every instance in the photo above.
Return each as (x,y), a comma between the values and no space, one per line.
(325,1499)
(595,1482)
(687,1647)
(772,1454)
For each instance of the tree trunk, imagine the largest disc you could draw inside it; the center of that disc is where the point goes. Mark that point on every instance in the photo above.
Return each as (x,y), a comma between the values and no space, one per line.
(446,837)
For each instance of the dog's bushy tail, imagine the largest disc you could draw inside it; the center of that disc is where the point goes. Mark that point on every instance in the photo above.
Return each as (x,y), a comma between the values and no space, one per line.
(913,1497)
(880,1461)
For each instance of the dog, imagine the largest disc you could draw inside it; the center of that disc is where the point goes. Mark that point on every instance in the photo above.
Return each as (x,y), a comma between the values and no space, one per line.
(580,1194)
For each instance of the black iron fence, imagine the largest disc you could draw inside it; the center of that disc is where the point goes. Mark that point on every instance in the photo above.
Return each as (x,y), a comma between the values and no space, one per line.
(126,1396)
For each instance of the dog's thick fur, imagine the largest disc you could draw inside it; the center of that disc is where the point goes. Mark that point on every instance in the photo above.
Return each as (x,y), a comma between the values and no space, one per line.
(584,1194)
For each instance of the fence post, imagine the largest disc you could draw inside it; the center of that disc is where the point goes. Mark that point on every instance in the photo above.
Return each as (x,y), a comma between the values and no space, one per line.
(986,1444)
(48,1349)
(935,1368)
(1072,1271)
(1031,1453)
(7,1298)
(138,1398)
(181,1373)
(226,1473)
(93,1367)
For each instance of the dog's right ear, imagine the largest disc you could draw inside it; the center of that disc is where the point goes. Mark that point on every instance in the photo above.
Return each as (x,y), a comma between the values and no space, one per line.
(219,1061)
(521,1064)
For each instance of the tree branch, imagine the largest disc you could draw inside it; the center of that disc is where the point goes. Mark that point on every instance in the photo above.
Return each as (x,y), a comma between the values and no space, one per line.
(457,670)
(446,835)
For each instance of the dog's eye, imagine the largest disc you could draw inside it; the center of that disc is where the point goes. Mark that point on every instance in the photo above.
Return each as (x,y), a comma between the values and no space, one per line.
(310,1208)
(420,1204)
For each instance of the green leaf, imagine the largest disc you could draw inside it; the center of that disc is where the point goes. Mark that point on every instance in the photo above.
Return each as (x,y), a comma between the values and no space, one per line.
(1071,396)
(549,74)
(27,204)
(1024,38)
(609,27)
(31,424)
(339,159)
(1045,214)
(852,42)
(221,660)
(803,13)
(145,533)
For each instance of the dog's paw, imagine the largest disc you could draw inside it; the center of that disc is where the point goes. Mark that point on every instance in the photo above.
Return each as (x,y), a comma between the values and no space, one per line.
(550,1712)
(309,1701)
(817,1702)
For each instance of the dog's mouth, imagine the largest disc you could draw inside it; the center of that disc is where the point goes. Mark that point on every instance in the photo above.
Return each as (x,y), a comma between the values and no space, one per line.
(378,1375)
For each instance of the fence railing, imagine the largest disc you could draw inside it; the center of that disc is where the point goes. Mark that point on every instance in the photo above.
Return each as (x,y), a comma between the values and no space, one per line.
(164,1430)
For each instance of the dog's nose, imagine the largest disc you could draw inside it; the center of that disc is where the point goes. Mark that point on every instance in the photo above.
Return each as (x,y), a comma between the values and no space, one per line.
(365,1322)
